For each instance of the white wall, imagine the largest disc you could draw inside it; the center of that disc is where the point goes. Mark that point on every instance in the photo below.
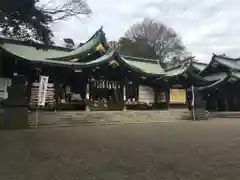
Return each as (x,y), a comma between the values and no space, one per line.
(146,94)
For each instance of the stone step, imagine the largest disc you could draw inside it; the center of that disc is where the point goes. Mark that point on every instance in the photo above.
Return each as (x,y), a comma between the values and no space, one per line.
(101,118)
(92,124)
(198,116)
(225,115)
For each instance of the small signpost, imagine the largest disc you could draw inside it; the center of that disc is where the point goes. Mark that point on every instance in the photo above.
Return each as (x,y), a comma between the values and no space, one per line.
(193,104)
(42,94)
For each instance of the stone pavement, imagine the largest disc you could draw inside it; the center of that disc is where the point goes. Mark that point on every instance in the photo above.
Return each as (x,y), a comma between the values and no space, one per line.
(73,118)
(226,114)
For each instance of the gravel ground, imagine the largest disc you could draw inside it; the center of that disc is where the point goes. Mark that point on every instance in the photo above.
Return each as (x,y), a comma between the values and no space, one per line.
(205,150)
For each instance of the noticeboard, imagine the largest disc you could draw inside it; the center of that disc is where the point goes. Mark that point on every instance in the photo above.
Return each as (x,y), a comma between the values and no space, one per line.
(178,96)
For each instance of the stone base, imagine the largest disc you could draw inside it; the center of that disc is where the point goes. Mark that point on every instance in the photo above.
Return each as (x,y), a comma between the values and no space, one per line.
(15,118)
(198,116)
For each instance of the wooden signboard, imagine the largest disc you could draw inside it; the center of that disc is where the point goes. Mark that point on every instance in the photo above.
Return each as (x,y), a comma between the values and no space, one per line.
(146,94)
(178,96)
(50,92)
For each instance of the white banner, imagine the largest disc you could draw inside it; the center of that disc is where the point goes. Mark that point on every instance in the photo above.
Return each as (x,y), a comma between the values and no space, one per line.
(42,91)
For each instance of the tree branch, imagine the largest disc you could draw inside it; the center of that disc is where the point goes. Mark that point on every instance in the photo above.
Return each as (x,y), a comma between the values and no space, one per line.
(26,20)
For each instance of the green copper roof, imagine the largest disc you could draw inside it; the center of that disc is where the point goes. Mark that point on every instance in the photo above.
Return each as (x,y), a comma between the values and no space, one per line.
(228,62)
(33,52)
(85,49)
(223,61)
(103,59)
(177,70)
(40,56)
(153,67)
(75,65)
(148,66)
(72,58)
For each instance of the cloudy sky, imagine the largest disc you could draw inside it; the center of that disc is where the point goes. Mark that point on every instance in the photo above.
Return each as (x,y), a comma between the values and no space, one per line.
(205,26)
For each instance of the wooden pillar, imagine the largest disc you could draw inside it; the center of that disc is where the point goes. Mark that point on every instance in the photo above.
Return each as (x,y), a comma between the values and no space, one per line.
(226,102)
(168,96)
(56,94)
(209,103)
(233,105)
(30,82)
(217,101)
(137,89)
(234,101)
(236,98)
(213,99)
(1,63)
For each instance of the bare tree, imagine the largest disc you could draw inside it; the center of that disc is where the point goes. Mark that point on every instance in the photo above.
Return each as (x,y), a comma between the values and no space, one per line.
(72,8)
(114,45)
(164,40)
(69,43)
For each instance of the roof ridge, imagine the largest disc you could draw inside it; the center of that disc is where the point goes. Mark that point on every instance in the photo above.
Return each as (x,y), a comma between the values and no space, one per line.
(224,57)
(32,44)
(139,58)
(91,37)
(186,62)
(195,61)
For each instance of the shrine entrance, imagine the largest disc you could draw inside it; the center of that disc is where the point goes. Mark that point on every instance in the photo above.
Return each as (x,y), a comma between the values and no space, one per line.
(106,95)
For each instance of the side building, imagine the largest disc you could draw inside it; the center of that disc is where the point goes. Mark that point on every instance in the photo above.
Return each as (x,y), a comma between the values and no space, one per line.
(220,88)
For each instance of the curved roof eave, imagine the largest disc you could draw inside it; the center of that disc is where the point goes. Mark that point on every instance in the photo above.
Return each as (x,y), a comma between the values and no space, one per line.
(103,59)
(228,62)
(145,68)
(195,79)
(207,66)
(86,48)
(175,72)
(215,84)
(215,77)
(198,66)
(55,63)
(70,64)
(32,52)
(205,80)
(79,65)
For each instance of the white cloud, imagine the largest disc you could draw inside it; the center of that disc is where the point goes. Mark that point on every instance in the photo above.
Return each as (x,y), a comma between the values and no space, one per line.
(206,27)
